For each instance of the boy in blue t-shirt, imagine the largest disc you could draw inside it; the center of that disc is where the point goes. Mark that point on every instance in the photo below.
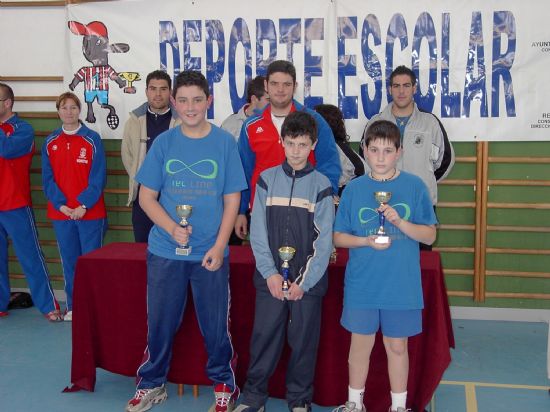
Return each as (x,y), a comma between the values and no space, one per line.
(382,284)
(196,164)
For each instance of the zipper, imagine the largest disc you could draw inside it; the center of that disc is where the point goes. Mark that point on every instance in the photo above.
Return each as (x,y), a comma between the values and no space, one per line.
(289,204)
(287,225)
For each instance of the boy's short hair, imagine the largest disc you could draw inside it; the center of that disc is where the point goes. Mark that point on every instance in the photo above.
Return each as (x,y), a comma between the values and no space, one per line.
(255,87)
(65,96)
(158,75)
(399,70)
(382,129)
(281,66)
(191,78)
(299,123)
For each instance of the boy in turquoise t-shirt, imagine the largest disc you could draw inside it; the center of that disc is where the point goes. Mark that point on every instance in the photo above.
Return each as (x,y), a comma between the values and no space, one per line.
(382,284)
(196,164)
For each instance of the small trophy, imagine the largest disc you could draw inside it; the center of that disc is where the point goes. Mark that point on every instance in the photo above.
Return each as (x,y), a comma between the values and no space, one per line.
(382,236)
(130,78)
(184,211)
(286,253)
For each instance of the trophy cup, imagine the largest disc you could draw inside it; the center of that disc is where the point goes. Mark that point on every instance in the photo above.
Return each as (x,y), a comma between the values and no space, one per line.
(184,211)
(130,78)
(382,198)
(286,253)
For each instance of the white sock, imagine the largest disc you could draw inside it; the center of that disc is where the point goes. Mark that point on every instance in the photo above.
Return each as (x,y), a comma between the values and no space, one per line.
(356,395)
(398,400)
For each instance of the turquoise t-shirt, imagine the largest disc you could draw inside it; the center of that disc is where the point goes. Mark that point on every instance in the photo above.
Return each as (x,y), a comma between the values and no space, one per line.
(196,172)
(384,279)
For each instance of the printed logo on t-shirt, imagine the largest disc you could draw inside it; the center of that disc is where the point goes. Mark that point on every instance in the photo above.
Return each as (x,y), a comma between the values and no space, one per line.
(367,214)
(82,156)
(260,129)
(54,147)
(206,169)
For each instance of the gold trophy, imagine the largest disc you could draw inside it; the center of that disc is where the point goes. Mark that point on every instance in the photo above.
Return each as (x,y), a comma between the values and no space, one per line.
(286,253)
(382,236)
(184,211)
(130,78)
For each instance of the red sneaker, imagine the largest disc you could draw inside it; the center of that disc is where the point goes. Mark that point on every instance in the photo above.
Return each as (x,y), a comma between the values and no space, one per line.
(54,316)
(225,399)
(144,399)
(2,314)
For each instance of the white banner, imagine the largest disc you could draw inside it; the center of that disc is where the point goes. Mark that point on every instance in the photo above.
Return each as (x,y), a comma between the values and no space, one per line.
(481,65)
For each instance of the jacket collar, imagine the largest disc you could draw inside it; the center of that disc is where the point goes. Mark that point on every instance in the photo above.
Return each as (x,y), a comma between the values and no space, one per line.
(298,173)
(266,113)
(144,107)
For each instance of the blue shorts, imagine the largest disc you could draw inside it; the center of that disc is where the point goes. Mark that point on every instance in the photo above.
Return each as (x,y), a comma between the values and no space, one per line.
(394,323)
(102,96)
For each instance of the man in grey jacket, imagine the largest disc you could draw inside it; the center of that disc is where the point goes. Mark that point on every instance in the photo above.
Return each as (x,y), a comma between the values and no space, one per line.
(146,122)
(427,152)
(256,99)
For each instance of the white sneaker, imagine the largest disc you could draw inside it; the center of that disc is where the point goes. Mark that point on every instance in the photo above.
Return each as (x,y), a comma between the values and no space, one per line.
(144,399)
(349,407)
(68,317)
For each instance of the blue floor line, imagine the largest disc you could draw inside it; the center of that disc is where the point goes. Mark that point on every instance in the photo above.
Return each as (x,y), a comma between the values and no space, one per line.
(35,365)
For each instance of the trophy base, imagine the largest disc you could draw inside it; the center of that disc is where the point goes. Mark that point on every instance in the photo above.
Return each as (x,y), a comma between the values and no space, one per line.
(130,90)
(382,239)
(183,251)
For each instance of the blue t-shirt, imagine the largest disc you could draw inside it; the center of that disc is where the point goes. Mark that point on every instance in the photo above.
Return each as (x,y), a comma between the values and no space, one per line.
(196,172)
(384,279)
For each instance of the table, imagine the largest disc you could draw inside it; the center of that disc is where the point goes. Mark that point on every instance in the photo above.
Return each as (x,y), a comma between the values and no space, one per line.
(110,329)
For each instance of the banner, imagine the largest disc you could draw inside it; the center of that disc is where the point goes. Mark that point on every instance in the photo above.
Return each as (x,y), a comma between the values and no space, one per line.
(480,64)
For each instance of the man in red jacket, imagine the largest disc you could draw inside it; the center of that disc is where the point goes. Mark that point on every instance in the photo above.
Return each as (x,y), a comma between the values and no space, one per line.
(16,215)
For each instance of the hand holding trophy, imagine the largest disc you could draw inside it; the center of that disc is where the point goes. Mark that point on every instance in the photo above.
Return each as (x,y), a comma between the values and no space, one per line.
(184,211)
(286,253)
(381,235)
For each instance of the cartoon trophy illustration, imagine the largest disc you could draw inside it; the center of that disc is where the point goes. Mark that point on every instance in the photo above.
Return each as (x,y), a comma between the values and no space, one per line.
(184,211)
(130,78)
(382,198)
(286,253)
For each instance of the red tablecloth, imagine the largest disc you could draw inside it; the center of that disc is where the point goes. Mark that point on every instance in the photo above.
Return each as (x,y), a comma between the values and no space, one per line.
(110,329)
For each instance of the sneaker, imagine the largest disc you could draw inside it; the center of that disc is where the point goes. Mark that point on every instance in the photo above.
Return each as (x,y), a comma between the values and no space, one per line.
(349,407)
(68,317)
(399,410)
(144,399)
(225,399)
(54,316)
(246,408)
(303,408)
(2,314)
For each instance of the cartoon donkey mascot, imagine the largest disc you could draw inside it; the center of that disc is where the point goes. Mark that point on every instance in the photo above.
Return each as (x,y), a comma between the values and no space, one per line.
(96,48)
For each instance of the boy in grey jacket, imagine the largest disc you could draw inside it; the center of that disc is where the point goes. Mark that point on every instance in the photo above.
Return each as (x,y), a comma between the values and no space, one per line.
(293,206)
